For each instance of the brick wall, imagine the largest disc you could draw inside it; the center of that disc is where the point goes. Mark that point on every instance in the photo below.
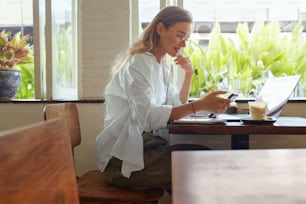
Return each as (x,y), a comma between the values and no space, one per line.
(105,33)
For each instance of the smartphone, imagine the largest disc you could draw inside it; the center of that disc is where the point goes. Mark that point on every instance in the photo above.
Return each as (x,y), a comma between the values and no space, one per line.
(232,97)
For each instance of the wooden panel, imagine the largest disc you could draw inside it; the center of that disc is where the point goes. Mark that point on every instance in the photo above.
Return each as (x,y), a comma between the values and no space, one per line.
(36,165)
(239,177)
(69,112)
(92,186)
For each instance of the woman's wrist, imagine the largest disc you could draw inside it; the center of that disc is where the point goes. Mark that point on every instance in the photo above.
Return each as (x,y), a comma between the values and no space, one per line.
(193,108)
(189,73)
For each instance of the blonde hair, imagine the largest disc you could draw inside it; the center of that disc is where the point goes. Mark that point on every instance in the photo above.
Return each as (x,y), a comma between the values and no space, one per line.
(168,16)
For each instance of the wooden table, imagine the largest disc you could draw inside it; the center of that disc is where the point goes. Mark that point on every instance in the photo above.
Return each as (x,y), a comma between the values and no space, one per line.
(239,177)
(240,132)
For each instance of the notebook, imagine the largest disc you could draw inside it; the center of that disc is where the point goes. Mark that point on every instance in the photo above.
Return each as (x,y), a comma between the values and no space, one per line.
(196,119)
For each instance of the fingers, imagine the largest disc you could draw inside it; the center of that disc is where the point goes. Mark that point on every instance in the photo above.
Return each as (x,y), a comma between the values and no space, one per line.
(224,101)
(215,104)
(218,92)
(185,64)
(221,107)
(222,104)
(181,60)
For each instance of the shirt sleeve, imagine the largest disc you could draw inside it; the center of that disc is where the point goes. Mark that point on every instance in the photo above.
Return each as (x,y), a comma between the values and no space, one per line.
(173,97)
(141,94)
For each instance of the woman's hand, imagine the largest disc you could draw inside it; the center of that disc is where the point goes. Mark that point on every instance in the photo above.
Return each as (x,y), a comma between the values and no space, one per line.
(213,103)
(185,64)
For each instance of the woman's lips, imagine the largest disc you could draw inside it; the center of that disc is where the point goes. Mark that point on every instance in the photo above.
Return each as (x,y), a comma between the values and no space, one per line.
(178,51)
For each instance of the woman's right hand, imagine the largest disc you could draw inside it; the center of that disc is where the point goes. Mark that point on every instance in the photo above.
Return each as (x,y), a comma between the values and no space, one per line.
(212,103)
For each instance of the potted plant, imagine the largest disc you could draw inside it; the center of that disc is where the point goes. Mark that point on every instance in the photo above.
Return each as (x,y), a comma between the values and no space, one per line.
(14,51)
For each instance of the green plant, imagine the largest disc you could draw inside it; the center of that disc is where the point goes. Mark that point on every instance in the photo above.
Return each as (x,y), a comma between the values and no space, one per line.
(14,51)
(64,56)
(27,85)
(244,66)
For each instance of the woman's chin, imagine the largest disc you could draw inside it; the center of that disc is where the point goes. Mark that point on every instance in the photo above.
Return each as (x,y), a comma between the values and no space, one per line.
(173,54)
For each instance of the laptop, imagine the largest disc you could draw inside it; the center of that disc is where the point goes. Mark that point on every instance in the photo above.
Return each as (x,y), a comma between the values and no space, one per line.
(276,91)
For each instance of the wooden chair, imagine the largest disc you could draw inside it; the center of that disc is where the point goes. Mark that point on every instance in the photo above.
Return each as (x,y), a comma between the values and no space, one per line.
(36,165)
(92,185)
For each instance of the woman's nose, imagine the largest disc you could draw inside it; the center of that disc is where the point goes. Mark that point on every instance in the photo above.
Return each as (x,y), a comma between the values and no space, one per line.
(183,43)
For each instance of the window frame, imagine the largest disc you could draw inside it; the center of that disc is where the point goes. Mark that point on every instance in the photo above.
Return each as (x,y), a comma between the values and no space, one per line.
(44,61)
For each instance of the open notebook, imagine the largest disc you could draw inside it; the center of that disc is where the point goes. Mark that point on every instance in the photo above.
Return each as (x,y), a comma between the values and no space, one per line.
(200,119)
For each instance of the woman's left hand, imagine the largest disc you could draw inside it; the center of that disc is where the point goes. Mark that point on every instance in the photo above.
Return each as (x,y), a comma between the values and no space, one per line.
(184,63)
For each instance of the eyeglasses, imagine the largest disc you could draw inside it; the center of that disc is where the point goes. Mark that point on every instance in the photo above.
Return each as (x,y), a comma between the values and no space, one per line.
(181,36)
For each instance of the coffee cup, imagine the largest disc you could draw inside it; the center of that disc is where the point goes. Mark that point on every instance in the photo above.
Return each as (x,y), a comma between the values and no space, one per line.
(258,109)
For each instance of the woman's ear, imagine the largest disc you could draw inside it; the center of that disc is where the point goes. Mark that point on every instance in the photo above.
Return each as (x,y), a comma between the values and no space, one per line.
(160,28)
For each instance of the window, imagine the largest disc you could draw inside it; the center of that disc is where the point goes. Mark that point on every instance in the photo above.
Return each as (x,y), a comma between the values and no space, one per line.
(61,38)
(147,10)
(16,16)
(280,18)
(54,38)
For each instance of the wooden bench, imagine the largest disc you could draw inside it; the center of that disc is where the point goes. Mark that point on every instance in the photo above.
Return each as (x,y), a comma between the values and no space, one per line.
(36,165)
(92,186)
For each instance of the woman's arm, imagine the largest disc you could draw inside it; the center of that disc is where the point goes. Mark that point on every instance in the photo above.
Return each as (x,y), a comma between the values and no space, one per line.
(210,103)
(185,64)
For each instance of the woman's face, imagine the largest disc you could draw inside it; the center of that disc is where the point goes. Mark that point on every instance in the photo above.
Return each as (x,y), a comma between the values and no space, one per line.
(174,38)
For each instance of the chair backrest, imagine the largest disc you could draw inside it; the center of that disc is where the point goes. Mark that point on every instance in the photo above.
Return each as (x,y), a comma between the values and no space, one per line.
(36,165)
(69,112)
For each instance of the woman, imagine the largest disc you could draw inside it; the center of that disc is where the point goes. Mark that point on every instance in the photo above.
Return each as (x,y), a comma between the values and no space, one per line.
(140,101)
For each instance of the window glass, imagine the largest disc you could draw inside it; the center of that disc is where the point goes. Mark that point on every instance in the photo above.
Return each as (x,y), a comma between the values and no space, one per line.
(225,10)
(17,16)
(16,13)
(244,43)
(147,10)
(64,52)
(244,61)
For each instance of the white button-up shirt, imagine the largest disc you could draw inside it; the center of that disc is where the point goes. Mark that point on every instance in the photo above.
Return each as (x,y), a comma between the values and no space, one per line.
(138,98)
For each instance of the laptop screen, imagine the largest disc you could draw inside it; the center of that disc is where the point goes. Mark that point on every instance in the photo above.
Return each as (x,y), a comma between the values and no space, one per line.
(276,91)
